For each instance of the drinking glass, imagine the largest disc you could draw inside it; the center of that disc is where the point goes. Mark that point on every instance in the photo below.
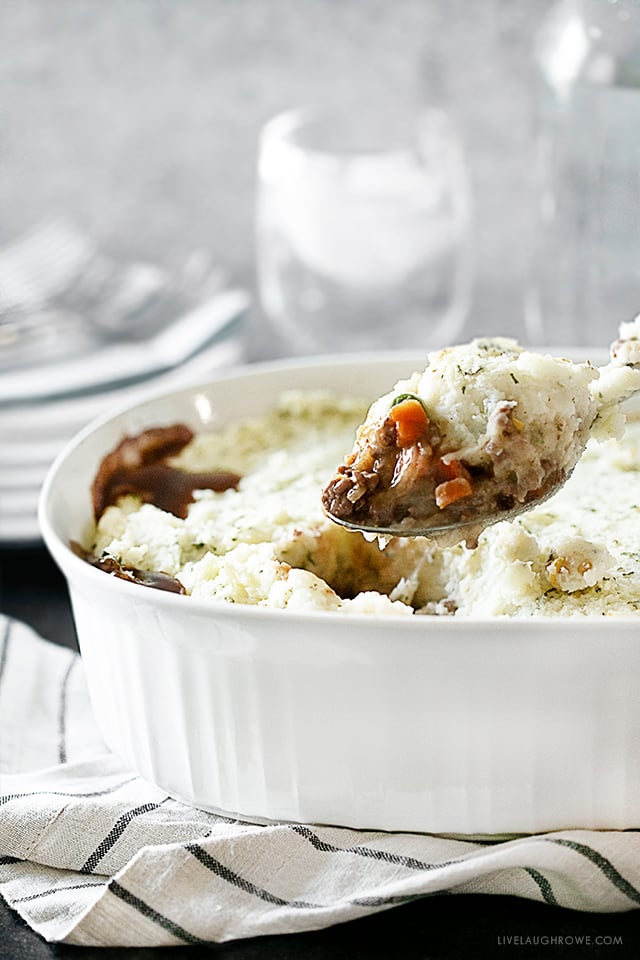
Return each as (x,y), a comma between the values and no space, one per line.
(363,231)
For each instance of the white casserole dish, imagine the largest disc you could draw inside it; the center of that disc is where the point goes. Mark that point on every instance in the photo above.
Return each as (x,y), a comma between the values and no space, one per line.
(416,724)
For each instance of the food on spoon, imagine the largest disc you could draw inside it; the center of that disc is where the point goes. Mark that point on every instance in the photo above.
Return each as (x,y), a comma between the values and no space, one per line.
(488,426)
(485,430)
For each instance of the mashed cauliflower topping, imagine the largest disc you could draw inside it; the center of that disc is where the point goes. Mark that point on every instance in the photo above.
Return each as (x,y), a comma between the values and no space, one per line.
(269,543)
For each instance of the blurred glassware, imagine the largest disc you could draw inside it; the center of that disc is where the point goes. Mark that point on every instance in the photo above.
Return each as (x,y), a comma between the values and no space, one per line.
(363,230)
(586,264)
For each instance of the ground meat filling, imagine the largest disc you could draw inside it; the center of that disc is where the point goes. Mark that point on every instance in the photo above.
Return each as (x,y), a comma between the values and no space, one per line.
(400,475)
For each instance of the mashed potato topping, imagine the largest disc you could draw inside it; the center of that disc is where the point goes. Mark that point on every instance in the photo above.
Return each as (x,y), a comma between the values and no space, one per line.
(267,541)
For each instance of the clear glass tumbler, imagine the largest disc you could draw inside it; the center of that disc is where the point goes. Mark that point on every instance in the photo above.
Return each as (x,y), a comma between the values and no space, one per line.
(585,271)
(363,231)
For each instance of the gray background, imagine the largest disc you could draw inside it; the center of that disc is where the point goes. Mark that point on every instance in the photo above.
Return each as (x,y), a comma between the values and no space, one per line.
(140,118)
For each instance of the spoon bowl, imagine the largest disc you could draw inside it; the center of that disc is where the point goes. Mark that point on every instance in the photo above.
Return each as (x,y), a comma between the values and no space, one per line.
(445,529)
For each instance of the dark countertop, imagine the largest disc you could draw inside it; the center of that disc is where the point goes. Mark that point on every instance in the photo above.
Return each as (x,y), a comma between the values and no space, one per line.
(32,590)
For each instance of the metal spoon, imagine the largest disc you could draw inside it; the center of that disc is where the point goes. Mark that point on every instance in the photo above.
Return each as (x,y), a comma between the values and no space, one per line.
(443,529)
(467,523)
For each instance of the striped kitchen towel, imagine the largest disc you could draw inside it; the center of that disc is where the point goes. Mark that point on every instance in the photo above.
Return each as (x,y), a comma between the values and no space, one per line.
(90,854)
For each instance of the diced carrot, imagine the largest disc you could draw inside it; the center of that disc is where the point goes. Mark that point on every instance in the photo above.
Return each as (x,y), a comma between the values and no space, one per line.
(451,470)
(452,490)
(411,421)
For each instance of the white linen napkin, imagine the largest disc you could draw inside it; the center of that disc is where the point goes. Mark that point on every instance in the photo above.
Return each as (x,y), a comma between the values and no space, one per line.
(90,854)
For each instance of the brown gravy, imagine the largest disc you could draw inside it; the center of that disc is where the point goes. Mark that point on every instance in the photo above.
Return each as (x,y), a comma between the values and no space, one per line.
(138,466)
(156,579)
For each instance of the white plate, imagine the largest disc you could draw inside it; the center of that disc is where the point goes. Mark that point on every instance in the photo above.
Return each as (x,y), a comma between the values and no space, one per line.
(20,501)
(20,529)
(21,477)
(120,363)
(36,421)
(29,455)
(19,514)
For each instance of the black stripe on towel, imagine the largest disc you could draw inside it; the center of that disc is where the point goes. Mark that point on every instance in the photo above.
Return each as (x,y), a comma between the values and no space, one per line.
(237,881)
(114,835)
(602,863)
(4,650)
(152,914)
(52,890)
(251,888)
(395,901)
(543,885)
(62,712)
(7,797)
(370,852)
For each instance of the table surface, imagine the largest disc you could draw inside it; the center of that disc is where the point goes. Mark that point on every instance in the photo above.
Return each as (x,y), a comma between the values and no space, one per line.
(32,590)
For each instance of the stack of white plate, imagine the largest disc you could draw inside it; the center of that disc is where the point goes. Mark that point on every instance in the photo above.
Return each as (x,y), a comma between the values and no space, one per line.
(42,405)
